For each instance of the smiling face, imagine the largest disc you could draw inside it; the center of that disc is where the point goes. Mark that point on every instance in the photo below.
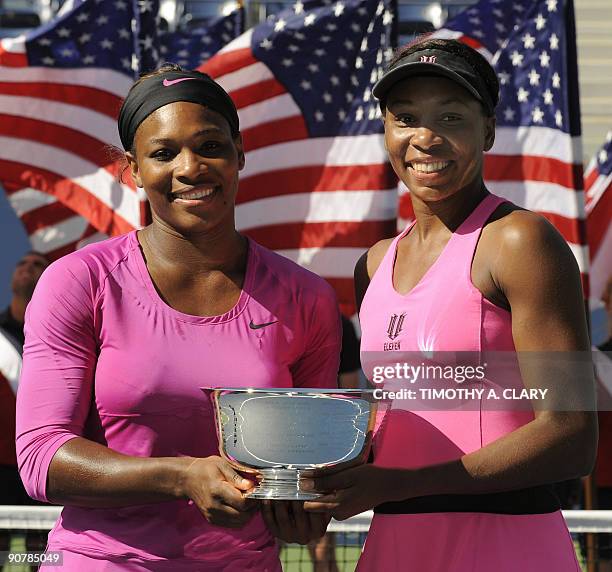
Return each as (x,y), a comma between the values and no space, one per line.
(188,162)
(435,134)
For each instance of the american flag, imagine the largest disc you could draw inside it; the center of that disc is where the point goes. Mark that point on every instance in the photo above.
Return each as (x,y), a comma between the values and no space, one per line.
(598,188)
(317,186)
(537,158)
(60,91)
(189,48)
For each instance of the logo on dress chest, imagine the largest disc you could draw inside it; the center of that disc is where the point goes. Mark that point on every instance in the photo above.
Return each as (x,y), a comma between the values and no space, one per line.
(396,322)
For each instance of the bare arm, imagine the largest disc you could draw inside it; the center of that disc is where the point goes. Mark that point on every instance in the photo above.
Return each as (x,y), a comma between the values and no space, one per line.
(88,474)
(538,275)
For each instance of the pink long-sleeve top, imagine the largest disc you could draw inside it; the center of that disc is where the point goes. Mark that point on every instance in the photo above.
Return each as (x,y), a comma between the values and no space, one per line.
(107,359)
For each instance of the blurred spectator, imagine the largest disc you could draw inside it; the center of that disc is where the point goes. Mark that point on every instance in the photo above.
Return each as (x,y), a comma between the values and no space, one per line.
(25,277)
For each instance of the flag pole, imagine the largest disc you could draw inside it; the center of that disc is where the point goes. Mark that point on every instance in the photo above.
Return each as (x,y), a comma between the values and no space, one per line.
(589,484)
(245,21)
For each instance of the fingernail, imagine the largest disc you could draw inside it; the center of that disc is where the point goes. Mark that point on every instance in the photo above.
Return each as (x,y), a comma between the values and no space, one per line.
(307,485)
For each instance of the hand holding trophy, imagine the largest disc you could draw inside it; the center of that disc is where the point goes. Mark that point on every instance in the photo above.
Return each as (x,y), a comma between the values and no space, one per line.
(287,434)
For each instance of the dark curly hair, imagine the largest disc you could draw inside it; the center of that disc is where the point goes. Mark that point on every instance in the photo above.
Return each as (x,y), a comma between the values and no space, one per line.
(475,60)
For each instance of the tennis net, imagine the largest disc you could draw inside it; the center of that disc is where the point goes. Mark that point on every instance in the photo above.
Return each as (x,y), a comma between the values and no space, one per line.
(23,527)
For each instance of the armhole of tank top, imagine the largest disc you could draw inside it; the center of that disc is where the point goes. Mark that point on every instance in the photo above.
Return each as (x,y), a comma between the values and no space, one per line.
(394,246)
(380,280)
(484,299)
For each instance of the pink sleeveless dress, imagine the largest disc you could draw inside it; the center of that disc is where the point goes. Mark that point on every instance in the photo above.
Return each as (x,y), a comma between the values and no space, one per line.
(505,532)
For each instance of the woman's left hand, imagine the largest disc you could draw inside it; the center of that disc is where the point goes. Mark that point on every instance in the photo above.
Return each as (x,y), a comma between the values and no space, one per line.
(288,521)
(352,491)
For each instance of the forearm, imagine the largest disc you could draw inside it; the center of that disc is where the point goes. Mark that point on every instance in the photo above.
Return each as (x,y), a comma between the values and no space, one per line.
(85,473)
(542,451)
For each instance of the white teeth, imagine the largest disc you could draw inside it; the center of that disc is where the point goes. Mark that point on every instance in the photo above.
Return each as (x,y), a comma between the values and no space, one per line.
(430,167)
(199,194)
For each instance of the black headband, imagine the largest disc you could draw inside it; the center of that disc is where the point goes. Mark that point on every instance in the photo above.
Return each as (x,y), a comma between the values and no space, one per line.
(162,89)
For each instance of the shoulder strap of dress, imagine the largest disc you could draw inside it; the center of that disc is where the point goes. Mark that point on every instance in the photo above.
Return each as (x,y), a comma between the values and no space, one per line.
(386,264)
(461,252)
(481,213)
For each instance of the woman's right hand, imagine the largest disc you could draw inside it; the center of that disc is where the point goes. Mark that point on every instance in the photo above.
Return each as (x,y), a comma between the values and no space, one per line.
(218,491)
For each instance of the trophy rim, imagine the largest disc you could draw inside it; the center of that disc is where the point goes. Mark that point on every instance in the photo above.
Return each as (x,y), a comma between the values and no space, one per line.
(293,390)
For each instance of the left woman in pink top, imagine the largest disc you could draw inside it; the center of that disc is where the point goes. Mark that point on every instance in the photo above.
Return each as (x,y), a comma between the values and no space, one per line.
(121,335)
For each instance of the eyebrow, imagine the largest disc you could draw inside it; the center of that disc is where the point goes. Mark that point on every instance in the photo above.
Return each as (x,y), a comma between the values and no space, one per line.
(208,131)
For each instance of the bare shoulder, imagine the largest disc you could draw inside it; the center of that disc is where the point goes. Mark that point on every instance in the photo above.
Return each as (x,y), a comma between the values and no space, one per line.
(524,235)
(534,268)
(528,257)
(375,255)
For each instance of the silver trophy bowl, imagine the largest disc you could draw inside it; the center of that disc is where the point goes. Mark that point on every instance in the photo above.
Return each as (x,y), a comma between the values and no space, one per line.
(287,434)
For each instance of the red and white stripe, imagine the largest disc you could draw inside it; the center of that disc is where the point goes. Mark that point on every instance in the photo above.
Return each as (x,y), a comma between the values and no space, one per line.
(445,33)
(540,169)
(321,201)
(55,129)
(53,228)
(598,189)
